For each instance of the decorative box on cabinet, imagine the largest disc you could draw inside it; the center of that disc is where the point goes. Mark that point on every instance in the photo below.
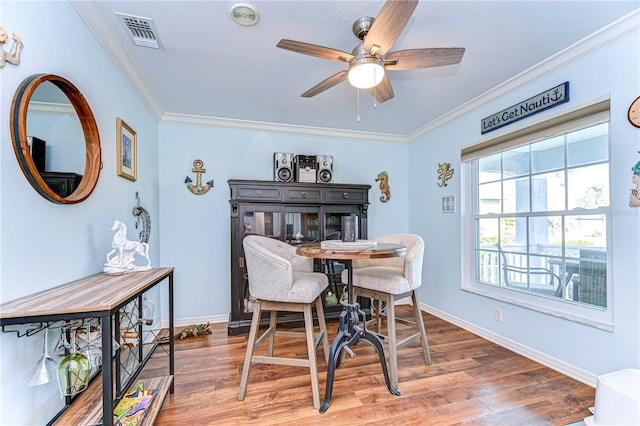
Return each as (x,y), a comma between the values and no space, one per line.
(293,212)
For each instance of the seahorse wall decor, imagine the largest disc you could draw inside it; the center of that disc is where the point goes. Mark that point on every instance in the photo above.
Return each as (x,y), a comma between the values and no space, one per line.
(383,178)
(446,172)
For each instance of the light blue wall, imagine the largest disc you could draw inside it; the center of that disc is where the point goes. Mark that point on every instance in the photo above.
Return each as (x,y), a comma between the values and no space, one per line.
(613,71)
(196,229)
(44,244)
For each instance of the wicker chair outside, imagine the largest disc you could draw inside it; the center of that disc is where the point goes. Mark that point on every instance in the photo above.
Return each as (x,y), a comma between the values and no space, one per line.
(592,281)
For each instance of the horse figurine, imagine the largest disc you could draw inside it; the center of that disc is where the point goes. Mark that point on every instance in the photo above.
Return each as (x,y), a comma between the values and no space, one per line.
(120,260)
(383,178)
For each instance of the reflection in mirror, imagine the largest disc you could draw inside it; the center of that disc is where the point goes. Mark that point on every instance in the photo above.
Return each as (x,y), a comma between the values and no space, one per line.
(59,152)
(54,124)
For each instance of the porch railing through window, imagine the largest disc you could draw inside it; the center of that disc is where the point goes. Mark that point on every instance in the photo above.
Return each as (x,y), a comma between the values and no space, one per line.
(579,276)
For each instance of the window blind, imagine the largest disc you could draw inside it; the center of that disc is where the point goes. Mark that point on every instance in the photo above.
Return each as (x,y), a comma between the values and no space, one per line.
(595,113)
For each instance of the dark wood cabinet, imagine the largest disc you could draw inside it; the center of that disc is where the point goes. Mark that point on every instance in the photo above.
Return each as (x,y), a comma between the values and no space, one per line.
(62,183)
(297,213)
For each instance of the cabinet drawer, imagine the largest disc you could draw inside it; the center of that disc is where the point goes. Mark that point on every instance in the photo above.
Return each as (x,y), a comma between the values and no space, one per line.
(250,193)
(304,194)
(347,195)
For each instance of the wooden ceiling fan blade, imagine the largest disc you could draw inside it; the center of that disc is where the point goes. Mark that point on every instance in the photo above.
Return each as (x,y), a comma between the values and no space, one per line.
(314,50)
(383,91)
(326,84)
(389,25)
(424,58)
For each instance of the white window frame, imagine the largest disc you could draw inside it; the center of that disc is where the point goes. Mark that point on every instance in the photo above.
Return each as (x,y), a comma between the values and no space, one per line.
(564,122)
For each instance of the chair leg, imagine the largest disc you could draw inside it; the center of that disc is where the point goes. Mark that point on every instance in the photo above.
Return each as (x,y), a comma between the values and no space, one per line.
(393,349)
(273,318)
(323,329)
(253,333)
(420,324)
(378,316)
(311,350)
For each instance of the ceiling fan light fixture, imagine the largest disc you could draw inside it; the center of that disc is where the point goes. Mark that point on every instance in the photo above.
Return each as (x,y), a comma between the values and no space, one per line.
(365,73)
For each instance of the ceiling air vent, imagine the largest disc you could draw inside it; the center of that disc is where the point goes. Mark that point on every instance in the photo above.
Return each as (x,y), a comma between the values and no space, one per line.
(244,14)
(142,31)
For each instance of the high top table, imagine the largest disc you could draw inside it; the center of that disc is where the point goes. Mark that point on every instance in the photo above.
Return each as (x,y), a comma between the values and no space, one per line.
(350,331)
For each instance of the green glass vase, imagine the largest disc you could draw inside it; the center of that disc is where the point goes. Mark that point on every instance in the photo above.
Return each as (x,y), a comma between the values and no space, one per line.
(73,374)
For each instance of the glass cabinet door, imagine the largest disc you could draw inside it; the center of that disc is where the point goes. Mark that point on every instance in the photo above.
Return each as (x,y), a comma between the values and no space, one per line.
(333,222)
(256,220)
(302,225)
(262,222)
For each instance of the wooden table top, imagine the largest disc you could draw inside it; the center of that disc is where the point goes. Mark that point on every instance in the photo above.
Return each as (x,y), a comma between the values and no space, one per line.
(382,250)
(95,293)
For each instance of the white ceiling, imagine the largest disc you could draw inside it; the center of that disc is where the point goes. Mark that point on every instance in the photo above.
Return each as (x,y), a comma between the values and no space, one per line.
(213,69)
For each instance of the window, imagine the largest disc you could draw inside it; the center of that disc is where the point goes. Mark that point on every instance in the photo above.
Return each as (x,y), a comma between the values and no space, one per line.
(537,215)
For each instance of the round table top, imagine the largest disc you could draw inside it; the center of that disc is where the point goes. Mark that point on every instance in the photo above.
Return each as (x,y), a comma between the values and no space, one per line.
(382,250)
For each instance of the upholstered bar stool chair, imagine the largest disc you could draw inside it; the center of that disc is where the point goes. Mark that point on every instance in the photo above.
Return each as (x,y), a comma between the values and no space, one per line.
(390,279)
(281,280)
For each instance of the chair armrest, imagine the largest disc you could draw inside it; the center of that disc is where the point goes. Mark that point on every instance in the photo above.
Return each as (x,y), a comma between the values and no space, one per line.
(269,274)
(536,271)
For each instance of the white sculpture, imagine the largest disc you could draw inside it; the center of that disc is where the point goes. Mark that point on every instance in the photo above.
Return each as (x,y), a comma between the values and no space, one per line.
(120,260)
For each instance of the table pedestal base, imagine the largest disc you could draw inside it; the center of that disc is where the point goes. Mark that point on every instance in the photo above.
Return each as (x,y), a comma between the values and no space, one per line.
(349,334)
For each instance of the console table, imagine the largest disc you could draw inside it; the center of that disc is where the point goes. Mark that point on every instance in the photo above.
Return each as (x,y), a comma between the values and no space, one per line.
(100,296)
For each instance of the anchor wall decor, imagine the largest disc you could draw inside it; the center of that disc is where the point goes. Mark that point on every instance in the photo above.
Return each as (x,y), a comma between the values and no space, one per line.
(446,172)
(198,188)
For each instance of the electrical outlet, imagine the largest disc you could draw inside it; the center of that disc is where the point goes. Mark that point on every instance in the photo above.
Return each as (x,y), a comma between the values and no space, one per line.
(498,314)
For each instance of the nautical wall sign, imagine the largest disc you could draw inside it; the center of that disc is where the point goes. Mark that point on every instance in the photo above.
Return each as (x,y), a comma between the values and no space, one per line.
(545,100)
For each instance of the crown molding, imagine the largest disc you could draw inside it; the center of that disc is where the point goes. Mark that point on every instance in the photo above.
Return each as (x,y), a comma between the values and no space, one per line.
(259,126)
(624,27)
(100,25)
(51,108)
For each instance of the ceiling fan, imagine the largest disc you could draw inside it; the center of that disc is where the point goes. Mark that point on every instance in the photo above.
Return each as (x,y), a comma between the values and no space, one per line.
(369,60)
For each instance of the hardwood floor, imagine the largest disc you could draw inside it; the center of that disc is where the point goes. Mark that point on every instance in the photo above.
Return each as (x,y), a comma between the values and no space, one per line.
(471,382)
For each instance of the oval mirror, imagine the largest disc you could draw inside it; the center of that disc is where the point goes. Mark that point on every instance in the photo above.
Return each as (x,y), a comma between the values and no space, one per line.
(55,138)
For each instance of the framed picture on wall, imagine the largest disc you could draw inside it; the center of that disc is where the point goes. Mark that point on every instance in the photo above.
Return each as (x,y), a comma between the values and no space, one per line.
(126,150)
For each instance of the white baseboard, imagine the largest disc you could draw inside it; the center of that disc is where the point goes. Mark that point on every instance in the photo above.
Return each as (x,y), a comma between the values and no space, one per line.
(184,322)
(534,355)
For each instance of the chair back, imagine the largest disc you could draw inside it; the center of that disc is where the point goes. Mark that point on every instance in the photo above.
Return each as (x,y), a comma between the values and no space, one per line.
(516,275)
(592,286)
(411,263)
(270,267)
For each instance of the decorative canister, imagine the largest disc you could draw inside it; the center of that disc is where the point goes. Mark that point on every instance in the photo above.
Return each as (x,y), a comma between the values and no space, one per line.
(349,228)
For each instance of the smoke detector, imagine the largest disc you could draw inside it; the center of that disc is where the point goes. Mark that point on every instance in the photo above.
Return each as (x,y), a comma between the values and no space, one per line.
(244,14)
(142,31)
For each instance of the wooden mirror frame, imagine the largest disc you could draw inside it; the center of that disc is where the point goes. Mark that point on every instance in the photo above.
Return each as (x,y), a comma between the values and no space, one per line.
(18,125)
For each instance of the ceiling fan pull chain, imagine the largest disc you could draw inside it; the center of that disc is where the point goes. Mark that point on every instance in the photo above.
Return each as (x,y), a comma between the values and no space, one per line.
(375,100)
(358,104)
